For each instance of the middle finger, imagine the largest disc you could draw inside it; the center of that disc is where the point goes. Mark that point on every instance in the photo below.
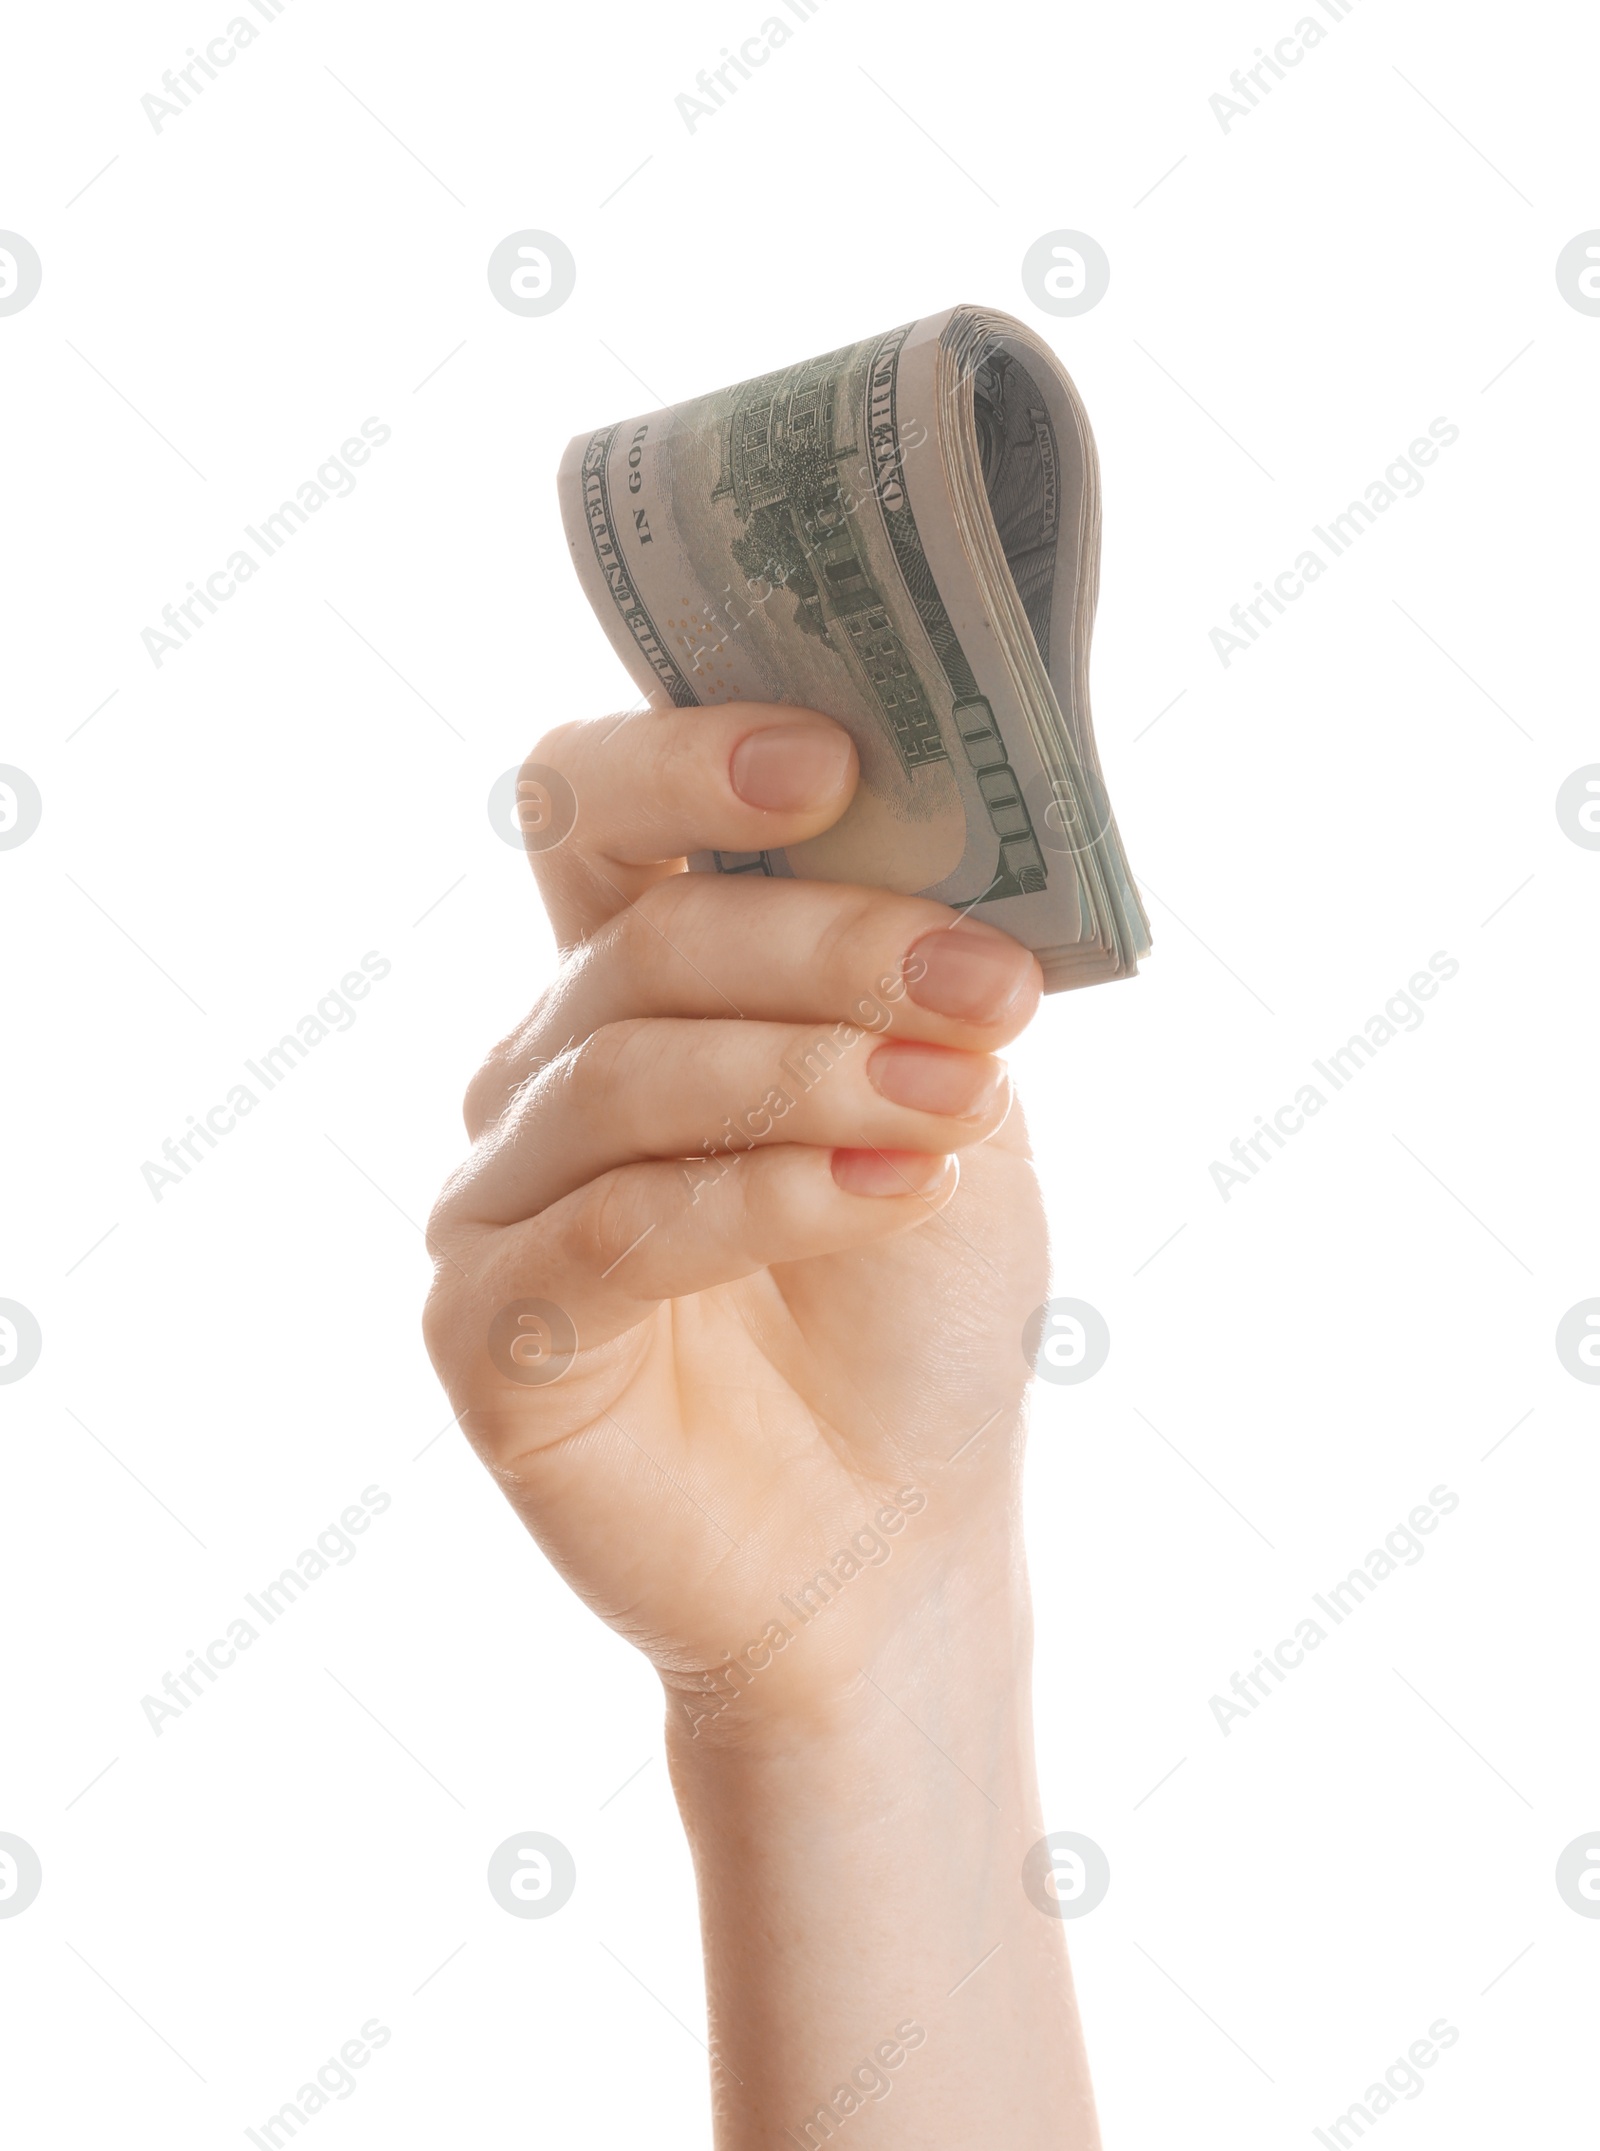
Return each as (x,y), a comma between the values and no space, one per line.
(776,951)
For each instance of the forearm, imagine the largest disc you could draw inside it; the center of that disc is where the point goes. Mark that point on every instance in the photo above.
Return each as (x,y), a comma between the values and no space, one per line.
(870,1949)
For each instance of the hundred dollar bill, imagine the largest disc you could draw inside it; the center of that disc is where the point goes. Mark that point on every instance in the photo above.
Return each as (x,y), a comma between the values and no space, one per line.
(905,535)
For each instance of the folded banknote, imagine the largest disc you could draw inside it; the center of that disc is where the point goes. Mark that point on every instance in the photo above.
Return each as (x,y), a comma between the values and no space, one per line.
(905,535)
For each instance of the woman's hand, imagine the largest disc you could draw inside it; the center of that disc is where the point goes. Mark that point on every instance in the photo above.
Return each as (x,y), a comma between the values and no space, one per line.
(753,1153)
(730,1297)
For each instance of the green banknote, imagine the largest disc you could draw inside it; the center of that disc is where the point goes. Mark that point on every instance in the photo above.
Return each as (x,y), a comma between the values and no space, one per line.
(905,534)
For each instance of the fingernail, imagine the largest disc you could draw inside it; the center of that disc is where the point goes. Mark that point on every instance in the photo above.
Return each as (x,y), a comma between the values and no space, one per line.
(932,1079)
(888,1172)
(787,768)
(969,971)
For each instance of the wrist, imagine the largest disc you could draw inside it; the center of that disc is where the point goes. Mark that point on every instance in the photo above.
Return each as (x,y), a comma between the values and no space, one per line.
(939,1758)
(865,1860)
(941,1639)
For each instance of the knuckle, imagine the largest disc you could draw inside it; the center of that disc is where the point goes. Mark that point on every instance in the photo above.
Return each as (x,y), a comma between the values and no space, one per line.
(654,936)
(522,1053)
(609,1058)
(485,1093)
(852,937)
(439,1216)
(450,1206)
(456,1249)
(606,1225)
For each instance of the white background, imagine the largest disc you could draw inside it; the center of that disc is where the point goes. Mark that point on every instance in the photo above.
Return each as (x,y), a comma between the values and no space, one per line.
(1372,782)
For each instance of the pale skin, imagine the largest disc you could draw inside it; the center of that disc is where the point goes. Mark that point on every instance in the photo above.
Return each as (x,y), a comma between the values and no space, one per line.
(798,1354)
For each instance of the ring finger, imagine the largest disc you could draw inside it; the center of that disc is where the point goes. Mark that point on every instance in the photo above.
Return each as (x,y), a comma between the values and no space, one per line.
(673,1089)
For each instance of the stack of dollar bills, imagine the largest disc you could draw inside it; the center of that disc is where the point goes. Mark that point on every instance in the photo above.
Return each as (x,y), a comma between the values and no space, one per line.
(905,535)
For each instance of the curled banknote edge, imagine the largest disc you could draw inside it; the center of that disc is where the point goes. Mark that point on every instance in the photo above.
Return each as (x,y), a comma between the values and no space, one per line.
(904,534)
